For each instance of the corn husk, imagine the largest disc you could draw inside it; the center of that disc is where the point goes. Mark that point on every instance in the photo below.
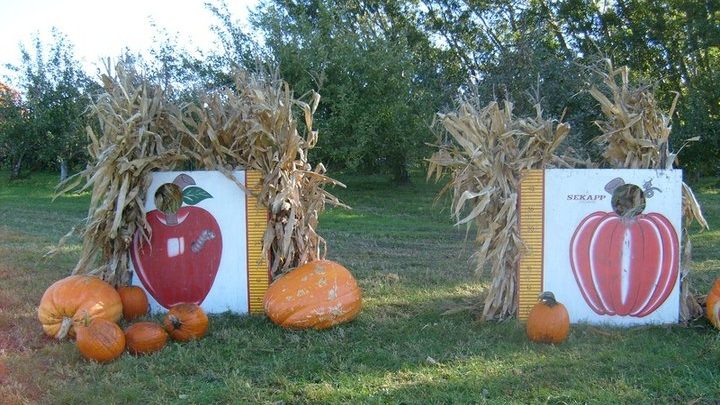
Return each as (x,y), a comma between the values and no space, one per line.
(251,126)
(485,150)
(636,134)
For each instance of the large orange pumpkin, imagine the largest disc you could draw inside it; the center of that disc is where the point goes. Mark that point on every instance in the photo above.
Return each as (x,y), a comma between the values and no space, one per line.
(317,295)
(69,302)
(185,322)
(134,301)
(100,340)
(712,304)
(145,337)
(548,321)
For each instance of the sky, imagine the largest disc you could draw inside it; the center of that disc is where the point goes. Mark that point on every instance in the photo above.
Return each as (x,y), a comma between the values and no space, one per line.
(99,29)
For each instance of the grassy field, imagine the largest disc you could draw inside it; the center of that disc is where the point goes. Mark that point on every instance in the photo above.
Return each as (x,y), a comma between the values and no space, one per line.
(404,348)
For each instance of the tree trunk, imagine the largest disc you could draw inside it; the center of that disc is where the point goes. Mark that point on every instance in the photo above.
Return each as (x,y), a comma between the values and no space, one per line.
(63,169)
(402,175)
(15,171)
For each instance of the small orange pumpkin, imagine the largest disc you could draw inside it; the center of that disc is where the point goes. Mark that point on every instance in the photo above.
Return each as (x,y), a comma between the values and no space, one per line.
(317,295)
(712,304)
(145,337)
(100,340)
(185,322)
(70,301)
(134,301)
(548,321)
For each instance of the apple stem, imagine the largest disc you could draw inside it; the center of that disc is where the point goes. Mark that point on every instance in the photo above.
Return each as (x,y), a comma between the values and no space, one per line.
(171,218)
(183,180)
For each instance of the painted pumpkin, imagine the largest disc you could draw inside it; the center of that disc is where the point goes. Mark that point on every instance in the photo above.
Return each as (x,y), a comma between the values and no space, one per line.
(100,340)
(317,295)
(625,266)
(185,322)
(68,302)
(145,337)
(712,304)
(134,302)
(548,321)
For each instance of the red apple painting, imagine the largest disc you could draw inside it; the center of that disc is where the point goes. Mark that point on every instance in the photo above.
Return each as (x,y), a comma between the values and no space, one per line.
(177,260)
(625,262)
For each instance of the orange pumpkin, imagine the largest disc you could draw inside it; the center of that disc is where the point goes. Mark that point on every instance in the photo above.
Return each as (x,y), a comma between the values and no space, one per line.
(68,302)
(317,295)
(145,337)
(185,322)
(100,340)
(134,301)
(548,321)
(712,304)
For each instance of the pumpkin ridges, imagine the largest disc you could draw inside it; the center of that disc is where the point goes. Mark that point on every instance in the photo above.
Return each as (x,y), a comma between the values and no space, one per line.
(71,299)
(100,340)
(185,322)
(145,337)
(548,320)
(319,294)
(712,304)
(134,301)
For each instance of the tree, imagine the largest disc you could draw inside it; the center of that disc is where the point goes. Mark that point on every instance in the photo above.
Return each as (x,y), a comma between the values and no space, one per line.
(55,94)
(379,75)
(508,47)
(674,46)
(12,123)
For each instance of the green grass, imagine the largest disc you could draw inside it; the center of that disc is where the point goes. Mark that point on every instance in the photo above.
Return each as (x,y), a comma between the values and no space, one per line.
(411,264)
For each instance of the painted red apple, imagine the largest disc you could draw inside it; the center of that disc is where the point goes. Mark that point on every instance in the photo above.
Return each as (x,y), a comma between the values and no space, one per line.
(625,265)
(179,261)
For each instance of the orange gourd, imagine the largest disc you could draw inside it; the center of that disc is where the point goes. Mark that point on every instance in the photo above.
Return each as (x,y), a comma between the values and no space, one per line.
(69,302)
(100,340)
(548,321)
(317,295)
(185,322)
(145,337)
(712,304)
(134,301)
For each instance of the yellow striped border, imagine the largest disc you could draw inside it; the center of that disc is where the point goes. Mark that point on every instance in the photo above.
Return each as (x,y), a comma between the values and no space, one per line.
(257,263)
(531,223)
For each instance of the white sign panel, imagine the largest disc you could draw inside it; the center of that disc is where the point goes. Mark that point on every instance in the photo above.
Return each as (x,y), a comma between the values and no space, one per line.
(610,243)
(196,249)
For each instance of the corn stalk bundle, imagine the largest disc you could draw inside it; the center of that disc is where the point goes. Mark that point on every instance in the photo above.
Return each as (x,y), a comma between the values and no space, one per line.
(249,127)
(253,126)
(636,133)
(485,154)
(135,138)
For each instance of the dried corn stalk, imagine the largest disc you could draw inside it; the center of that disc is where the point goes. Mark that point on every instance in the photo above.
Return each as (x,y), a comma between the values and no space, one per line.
(636,134)
(253,126)
(135,139)
(249,127)
(486,153)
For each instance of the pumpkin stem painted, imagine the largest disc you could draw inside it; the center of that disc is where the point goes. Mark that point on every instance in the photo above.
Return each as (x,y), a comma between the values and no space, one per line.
(548,298)
(65,326)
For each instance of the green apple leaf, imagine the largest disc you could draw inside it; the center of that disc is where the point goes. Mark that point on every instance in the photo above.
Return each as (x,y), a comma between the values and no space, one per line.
(194,194)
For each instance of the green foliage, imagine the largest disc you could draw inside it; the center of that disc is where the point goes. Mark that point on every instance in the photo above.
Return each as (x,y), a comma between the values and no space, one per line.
(511,47)
(376,71)
(54,95)
(12,125)
(384,69)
